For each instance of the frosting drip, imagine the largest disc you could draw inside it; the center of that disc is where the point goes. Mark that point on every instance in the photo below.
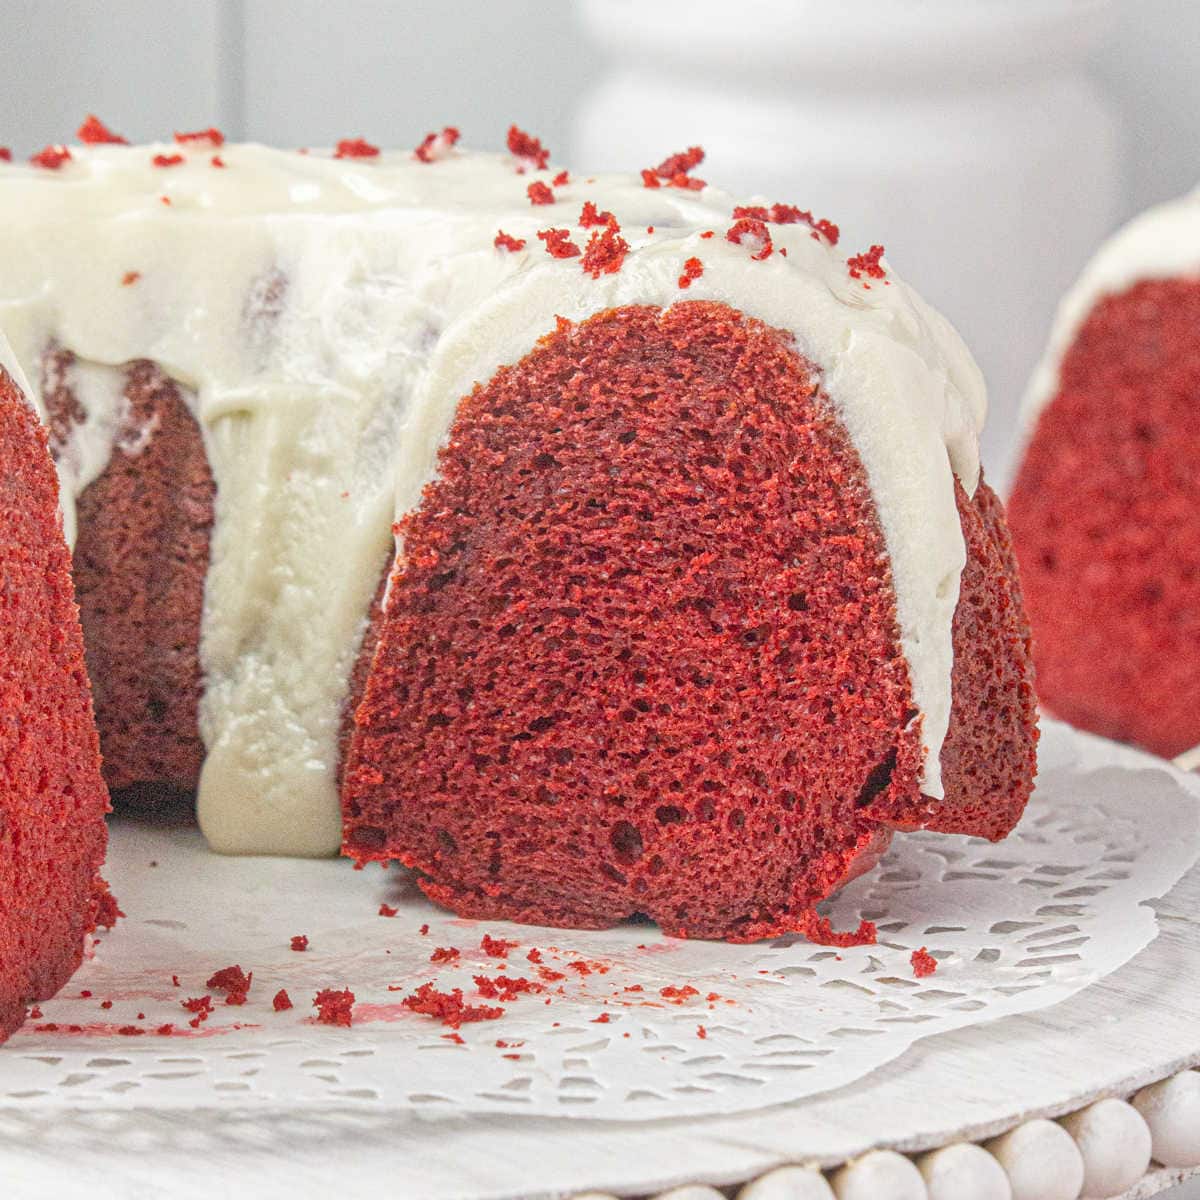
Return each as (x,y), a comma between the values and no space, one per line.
(325,317)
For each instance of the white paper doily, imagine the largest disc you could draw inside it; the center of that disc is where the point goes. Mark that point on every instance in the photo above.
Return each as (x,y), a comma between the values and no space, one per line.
(1015,927)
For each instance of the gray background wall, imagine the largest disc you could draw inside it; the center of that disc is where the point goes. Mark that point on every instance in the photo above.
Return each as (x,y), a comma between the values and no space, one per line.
(307,72)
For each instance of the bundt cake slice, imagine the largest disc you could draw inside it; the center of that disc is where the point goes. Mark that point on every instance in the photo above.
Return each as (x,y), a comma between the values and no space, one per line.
(52,798)
(1105,510)
(640,654)
(597,545)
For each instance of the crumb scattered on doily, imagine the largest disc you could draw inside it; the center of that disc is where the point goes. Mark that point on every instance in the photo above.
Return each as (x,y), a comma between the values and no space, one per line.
(678,995)
(923,963)
(233,981)
(201,1006)
(334,1007)
(496,947)
(449,1007)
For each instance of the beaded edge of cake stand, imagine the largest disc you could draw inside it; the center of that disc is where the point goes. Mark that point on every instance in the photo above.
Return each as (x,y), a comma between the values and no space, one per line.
(1111,1149)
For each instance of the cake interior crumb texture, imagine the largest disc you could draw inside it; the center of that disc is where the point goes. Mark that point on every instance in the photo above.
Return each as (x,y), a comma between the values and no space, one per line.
(641,652)
(52,799)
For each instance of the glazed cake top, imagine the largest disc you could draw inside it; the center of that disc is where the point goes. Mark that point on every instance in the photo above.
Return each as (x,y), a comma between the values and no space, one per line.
(324,312)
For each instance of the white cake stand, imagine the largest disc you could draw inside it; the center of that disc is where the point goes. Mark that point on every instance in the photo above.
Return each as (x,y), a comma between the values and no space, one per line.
(1132,1036)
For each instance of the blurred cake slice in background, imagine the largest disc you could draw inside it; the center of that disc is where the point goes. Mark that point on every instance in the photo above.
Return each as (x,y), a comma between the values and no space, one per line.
(1105,510)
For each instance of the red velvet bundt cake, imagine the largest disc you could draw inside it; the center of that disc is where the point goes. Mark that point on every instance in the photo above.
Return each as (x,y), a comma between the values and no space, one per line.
(595,546)
(1105,511)
(52,798)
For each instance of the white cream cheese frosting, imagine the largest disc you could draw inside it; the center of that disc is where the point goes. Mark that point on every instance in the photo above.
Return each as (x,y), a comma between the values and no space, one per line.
(323,318)
(1160,243)
(8,361)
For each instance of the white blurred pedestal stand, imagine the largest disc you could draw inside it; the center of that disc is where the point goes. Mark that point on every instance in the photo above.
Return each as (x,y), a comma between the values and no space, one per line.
(963,134)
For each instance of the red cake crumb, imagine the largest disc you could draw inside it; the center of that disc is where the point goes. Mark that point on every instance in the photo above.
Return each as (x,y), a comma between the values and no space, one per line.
(789,214)
(534,956)
(93,132)
(233,981)
(130,1031)
(165,1030)
(107,913)
(539,193)
(386,910)
(51,158)
(281,1001)
(502,1044)
(35,1013)
(757,233)
(701,1032)
(456,1038)
(130,277)
(106,1004)
(5,154)
(85,994)
(210,137)
(168,160)
(675,170)
(602,1019)
(550,975)
(923,963)
(505,988)
(558,243)
(424,930)
(693,268)
(867,263)
(561,179)
(589,217)
(217,161)
(334,1007)
(818,929)
(300,942)
(505,241)
(202,1006)
(164,200)
(678,995)
(355,148)
(448,1007)
(522,145)
(605,253)
(445,954)
(175,981)
(436,146)
(496,947)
